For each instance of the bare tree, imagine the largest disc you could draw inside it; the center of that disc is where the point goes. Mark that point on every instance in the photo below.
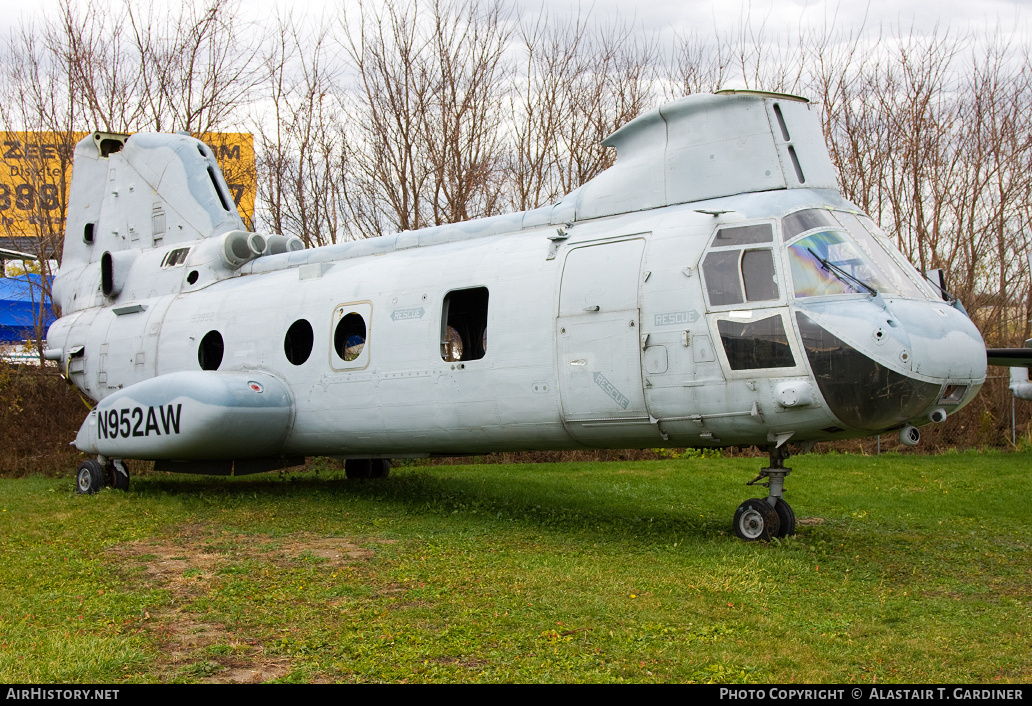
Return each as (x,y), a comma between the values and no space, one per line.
(423,145)
(37,122)
(461,126)
(195,69)
(300,137)
(698,64)
(579,82)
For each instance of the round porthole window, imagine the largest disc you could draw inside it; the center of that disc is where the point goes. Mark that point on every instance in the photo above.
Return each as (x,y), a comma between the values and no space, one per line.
(349,337)
(209,353)
(297,344)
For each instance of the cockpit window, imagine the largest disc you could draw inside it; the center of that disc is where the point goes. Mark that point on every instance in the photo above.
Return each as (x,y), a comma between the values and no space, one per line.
(848,255)
(744,235)
(723,284)
(735,273)
(727,270)
(801,221)
(890,260)
(753,345)
(828,262)
(758,275)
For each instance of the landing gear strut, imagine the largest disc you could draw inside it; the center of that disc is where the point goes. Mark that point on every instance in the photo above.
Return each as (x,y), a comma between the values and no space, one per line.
(764,518)
(117,474)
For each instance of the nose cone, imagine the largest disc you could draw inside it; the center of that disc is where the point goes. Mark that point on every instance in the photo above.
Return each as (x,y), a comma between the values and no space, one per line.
(882,364)
(945,345)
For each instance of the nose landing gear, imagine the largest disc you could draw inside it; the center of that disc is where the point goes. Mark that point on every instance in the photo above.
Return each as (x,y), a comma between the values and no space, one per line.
(760,519)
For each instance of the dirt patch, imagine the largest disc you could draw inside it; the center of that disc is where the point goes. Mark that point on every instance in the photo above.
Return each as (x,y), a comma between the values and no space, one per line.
(190,555)
(238,672)
(187,565)
(333,549)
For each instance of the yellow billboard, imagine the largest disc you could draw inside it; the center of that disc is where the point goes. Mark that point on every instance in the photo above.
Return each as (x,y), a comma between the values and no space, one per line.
(234,151)
(36,169)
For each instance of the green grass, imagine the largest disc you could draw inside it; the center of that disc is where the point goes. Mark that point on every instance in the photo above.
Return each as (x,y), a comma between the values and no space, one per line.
(904,568)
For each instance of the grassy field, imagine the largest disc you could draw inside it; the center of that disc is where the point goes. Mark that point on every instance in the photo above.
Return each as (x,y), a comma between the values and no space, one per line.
(904,569)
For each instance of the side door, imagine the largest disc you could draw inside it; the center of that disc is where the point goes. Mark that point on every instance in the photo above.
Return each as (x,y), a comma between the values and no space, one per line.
(598,343)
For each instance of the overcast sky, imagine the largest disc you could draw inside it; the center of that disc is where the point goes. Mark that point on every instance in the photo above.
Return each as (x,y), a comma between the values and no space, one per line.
(706,14)
(665,16)
(665,20)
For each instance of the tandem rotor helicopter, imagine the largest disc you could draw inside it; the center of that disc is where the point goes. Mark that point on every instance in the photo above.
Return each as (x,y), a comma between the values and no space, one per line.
(712,288)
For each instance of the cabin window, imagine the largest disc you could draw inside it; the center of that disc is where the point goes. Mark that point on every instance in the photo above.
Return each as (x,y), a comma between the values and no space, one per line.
(753,345)
(297,344)
(349,338)
(209,353)
(351,326)
(464,325)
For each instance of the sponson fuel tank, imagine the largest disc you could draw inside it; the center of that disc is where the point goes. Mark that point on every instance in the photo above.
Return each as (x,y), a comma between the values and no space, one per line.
(195,414)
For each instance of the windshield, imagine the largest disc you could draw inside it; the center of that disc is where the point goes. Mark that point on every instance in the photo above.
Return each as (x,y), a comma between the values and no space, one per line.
(890,260)
(829,262)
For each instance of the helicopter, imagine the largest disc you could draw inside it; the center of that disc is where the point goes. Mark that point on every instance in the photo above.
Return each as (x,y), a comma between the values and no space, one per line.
(712,288)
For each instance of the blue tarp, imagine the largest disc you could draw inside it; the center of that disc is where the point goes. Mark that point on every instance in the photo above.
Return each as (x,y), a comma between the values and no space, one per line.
(21,308)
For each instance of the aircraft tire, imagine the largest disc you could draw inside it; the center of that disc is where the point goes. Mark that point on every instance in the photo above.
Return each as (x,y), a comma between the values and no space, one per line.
(115,478)
(358,468)
(786,517)
(755,520)
(89,479)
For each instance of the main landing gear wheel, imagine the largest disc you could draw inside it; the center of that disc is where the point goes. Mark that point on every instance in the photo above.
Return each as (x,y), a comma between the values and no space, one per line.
(367,468)
(89,479)
(117,474)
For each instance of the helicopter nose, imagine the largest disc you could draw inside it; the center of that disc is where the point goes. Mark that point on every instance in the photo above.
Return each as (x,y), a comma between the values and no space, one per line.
(944,343)
(883,380)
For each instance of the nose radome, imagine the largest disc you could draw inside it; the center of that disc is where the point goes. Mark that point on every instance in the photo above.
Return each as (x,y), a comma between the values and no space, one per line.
(944,342)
